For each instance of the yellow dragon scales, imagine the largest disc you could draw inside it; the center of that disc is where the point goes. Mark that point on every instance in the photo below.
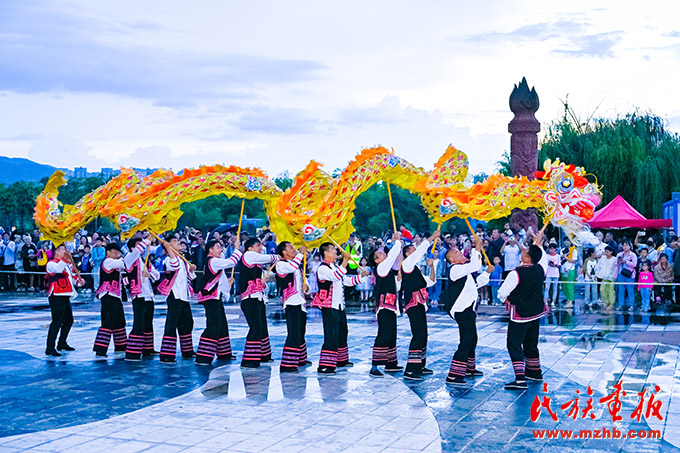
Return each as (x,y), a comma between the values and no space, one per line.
(318,206)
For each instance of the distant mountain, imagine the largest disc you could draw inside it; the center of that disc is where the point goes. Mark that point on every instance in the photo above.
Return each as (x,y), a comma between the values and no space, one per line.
(13,169)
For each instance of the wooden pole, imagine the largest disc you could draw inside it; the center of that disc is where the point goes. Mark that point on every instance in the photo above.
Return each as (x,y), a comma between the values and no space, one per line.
(394,220)
(340,247)
(238,231)
(178,254)
(434,243)
(475,236)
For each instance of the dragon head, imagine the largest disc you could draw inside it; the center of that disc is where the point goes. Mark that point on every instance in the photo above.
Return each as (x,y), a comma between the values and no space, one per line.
(570,199)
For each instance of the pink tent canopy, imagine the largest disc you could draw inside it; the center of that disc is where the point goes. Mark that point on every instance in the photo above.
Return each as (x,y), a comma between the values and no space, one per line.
(619,214)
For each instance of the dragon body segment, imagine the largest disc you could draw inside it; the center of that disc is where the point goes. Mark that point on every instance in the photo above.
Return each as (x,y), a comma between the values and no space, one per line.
(318,206)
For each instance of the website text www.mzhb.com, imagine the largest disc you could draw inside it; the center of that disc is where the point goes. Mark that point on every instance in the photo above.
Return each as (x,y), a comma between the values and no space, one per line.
(603,433)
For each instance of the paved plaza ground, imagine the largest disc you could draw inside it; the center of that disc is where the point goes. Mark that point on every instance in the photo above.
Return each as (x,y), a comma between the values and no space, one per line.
(77,403)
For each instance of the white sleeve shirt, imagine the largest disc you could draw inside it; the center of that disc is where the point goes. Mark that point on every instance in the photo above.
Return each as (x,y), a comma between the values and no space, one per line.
(293,267)
(59,267)
(180,288)
(468,296)
(220,264)
(336,274)
(385,267)
(512,280)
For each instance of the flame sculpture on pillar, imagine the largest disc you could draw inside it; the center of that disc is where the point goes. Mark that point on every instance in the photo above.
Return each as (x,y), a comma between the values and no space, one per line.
(524,128)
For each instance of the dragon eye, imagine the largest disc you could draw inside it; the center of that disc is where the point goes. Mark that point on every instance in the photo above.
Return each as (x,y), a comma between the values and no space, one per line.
(565,184)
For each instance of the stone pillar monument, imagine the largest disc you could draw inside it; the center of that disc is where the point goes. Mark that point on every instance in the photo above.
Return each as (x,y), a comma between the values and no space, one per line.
(524,128)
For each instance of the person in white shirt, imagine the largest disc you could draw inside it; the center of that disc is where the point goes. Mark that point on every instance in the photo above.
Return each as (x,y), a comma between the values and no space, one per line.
(386,290)
(61,286)
(289,279)
(552,276)
(139,277)
(522,292)
(330,299)
(110,294)
(177,288)
(606,270)
(512,252)
(252,287)
(459,300)
(215,338)
(414,286)
(8,257)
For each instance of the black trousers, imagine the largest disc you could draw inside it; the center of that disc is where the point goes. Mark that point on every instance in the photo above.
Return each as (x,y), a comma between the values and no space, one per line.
(384,347)
(292,350)
(257,340)
(178,321)
(216,330)
(62,320)
(113,324)
(464,357)
(523,346)
(677,290)
(664,293)
(140,322)
(418,347)
(343,349)
(331,340)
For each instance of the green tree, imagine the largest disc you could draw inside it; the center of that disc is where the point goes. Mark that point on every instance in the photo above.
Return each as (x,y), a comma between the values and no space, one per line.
(634,156)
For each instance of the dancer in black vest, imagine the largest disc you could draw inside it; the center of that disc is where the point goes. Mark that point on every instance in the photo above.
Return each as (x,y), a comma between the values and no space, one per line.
(460,300)
(140,288)
(522,293)
(258,349)
(330,299)
(414,286)
(110,293)
(61,286)
(177,288)
(386,287)
(289,279)
(215,338)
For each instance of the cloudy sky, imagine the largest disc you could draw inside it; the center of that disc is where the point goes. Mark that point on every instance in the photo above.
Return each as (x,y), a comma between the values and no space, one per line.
(274,84)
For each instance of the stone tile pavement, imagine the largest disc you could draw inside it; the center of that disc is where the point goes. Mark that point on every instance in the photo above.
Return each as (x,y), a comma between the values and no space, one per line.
(76,403)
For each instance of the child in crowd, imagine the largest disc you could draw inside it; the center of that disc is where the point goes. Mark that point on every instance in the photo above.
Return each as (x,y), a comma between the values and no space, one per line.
(313,281)
(552,276)
(645,286)
(589,266)
(365,287)
(495,280)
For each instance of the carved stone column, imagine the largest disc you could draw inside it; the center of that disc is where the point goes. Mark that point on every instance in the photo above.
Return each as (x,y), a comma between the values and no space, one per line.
(524,128)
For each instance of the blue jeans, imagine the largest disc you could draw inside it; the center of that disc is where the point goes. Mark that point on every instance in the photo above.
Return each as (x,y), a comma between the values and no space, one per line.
(435,291)
(590,292)
(554,281)
(494,295)
(645,295)
(625,294)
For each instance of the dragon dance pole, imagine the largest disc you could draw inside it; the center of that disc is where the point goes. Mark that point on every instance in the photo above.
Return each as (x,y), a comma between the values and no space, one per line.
(434,243)
(238,231)
(394,220)
(340,247)
(304,268)
(178,254)
(467,220)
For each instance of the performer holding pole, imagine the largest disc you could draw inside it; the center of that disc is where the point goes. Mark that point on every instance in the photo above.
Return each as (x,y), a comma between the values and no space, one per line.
(416,297)
(110,293)
(386,288)
(177,288)
(332,278)
(258,349)
(290,279)
(61,286)
(139,277)
(215,338)
(522,292)
(460,299)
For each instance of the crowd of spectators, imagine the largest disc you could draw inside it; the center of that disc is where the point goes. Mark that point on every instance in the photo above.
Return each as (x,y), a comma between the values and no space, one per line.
(618,273)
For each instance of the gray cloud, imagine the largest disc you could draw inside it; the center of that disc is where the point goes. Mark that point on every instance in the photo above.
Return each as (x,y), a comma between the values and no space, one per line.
(599,45)
(278,121)
(531,32)
(571,30)
(70,53)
